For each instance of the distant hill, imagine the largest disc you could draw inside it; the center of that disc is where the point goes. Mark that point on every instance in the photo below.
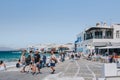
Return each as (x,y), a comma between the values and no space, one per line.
(6,49)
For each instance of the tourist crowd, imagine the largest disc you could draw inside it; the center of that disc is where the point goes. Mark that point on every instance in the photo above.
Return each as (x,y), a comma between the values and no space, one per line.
(33,62)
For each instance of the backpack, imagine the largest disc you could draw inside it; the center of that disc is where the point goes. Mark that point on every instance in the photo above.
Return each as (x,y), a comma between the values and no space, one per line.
(28,60)
(56,61)
(17,65)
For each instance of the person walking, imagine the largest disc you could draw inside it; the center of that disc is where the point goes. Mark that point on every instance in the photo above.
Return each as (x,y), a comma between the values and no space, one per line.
(23,60)
(37,61)
(44,60)
(53,62)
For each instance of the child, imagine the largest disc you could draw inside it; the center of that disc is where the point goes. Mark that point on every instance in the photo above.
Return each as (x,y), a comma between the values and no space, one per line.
(18,64)
(33,68)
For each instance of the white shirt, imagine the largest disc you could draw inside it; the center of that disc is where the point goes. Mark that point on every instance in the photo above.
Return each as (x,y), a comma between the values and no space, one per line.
(52,57)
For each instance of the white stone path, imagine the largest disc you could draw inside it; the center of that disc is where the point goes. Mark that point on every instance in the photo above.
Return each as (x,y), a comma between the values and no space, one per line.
(78,70)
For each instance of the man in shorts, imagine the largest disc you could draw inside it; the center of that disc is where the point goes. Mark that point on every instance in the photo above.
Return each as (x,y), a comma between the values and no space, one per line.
(37,61)
(52,60)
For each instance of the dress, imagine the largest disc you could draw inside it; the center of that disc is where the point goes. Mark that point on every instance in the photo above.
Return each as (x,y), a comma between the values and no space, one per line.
(2,68)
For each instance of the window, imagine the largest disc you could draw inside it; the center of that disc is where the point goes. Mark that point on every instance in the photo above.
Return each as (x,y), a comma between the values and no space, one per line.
(98,34)
(117,34)
(108,34)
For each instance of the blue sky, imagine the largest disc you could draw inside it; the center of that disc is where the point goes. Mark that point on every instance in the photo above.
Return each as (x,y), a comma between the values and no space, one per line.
(24,22)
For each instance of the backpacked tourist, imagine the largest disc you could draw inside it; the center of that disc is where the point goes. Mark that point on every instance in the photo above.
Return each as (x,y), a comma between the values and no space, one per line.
(27,63)
(53,60)
(37,61)
(31,62)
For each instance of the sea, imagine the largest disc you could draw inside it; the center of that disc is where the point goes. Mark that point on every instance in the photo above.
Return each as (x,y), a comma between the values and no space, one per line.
(10,58)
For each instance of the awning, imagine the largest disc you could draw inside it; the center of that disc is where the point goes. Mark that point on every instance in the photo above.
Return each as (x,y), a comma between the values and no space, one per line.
(109,47)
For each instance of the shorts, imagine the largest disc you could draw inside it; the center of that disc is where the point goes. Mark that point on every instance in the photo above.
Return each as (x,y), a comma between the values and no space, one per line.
(52,64)
(38,65)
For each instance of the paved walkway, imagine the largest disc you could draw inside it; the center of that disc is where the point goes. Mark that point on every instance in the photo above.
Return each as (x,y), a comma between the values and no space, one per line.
(68,70)
(78,70)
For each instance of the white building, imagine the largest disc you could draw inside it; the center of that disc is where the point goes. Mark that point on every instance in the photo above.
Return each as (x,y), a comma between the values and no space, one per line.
(90,39)
(48,47)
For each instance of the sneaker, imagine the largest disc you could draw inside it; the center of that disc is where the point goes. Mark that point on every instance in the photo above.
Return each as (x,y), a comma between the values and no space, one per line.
(52,72)
(27,71)
(38,73)
(33,73)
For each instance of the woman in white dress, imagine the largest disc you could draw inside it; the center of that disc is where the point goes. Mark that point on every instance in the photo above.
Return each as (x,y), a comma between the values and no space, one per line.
(2,66)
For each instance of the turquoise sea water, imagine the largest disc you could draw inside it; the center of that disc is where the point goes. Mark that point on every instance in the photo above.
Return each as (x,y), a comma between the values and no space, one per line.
(11,56)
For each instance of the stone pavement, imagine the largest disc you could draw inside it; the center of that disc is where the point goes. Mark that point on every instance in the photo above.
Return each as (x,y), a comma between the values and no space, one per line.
(78,70)
(68,70)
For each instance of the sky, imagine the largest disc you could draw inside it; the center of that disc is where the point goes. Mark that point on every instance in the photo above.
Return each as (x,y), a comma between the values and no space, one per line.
(25,22)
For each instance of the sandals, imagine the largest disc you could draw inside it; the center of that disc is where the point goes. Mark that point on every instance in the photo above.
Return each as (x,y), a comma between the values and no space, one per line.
(53,72)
